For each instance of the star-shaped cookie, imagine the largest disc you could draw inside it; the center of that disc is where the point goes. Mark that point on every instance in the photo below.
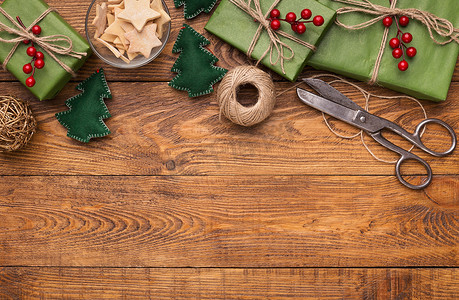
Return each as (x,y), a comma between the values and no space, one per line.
(143,41)
(116,27)
(138,13)
(100,21)
(110,19)
(115,6)
(163,20)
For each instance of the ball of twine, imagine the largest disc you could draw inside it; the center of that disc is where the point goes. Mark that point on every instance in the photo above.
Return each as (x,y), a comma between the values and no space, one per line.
(17,123)
(228,90)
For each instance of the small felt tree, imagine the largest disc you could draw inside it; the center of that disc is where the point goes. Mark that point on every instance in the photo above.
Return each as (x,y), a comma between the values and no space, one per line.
(195,7)
(84,119)
(195,65)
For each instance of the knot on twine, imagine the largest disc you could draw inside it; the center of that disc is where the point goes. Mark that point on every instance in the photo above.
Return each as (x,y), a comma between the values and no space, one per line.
(440,26)
(229,88)
(253,8)
(52,44)
(17,123)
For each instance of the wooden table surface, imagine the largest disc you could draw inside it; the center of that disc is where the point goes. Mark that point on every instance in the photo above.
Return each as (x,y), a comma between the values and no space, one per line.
(175,203)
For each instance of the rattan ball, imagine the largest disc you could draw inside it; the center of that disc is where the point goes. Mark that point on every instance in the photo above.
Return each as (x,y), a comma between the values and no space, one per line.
(17,123)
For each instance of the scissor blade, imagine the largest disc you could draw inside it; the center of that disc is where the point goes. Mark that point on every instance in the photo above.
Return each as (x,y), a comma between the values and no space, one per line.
(357,117)
(329,92)
(329,107)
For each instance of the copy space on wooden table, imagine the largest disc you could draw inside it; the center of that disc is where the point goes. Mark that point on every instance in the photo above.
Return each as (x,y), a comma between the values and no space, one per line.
(176,203)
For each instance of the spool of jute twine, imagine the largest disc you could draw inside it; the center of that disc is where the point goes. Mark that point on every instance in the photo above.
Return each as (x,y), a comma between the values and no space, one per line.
(17,123)
(228,91)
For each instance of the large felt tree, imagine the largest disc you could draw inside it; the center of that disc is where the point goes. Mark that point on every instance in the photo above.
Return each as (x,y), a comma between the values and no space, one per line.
(195,65)
(84,119)
(195,7)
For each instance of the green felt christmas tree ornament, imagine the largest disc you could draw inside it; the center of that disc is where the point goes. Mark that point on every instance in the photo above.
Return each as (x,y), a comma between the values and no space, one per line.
(84,119)
(195,65)
(192,8)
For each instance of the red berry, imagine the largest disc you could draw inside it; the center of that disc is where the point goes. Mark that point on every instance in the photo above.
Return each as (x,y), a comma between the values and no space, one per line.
(294,26)
(30,82)
(397,53)
(27,68)
(407,37)
(306,13)
(290,17)
(387,21)
(39,55)
(318,20)
(394,43)
(411,52)
(404,20)
(403,65)
(39,63)
(275,24)
(275,13)
(301,28)
(26,42)
(31,51)
(36,30)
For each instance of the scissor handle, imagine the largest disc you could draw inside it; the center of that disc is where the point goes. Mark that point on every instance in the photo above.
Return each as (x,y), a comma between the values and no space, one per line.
(418,142)
(410,156)
(404,156)
(415,138)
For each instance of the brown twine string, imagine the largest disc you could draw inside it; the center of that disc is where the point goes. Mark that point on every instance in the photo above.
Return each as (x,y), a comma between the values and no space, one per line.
(48,43)
(275,43)
(17,123)
(367,95)
(441,26)
(229,87)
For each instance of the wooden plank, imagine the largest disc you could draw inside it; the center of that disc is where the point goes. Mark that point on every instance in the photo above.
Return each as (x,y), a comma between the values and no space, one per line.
(74,11)
(157,130)
(191,283)
(227,221)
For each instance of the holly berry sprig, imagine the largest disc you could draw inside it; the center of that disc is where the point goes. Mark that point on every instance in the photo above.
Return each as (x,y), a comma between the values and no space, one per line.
(37,61)
(297,25)
(398,43)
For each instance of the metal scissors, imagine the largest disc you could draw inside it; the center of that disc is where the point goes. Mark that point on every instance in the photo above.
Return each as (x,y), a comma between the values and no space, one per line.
(335,104)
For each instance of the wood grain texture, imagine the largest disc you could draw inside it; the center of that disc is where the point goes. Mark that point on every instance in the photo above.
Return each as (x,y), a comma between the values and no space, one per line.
(227,221)
(74,12)
(191,283)
(159,131)
(281,210)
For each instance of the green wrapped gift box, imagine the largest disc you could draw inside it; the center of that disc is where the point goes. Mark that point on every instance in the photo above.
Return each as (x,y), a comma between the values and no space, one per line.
(353,52)
(237,28)
(52,78)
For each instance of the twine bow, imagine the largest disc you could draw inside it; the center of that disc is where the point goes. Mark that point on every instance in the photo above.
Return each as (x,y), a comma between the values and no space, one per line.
(51,44)
(441,26)
(275,45)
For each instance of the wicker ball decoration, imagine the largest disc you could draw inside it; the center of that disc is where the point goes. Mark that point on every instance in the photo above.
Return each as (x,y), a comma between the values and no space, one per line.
(17,123)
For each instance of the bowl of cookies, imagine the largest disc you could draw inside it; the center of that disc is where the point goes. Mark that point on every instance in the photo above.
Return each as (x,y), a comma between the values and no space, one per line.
(127,33)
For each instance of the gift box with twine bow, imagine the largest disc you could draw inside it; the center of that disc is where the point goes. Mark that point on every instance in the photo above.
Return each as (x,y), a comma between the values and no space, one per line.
(64,49)
(244,25)
(358,45)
